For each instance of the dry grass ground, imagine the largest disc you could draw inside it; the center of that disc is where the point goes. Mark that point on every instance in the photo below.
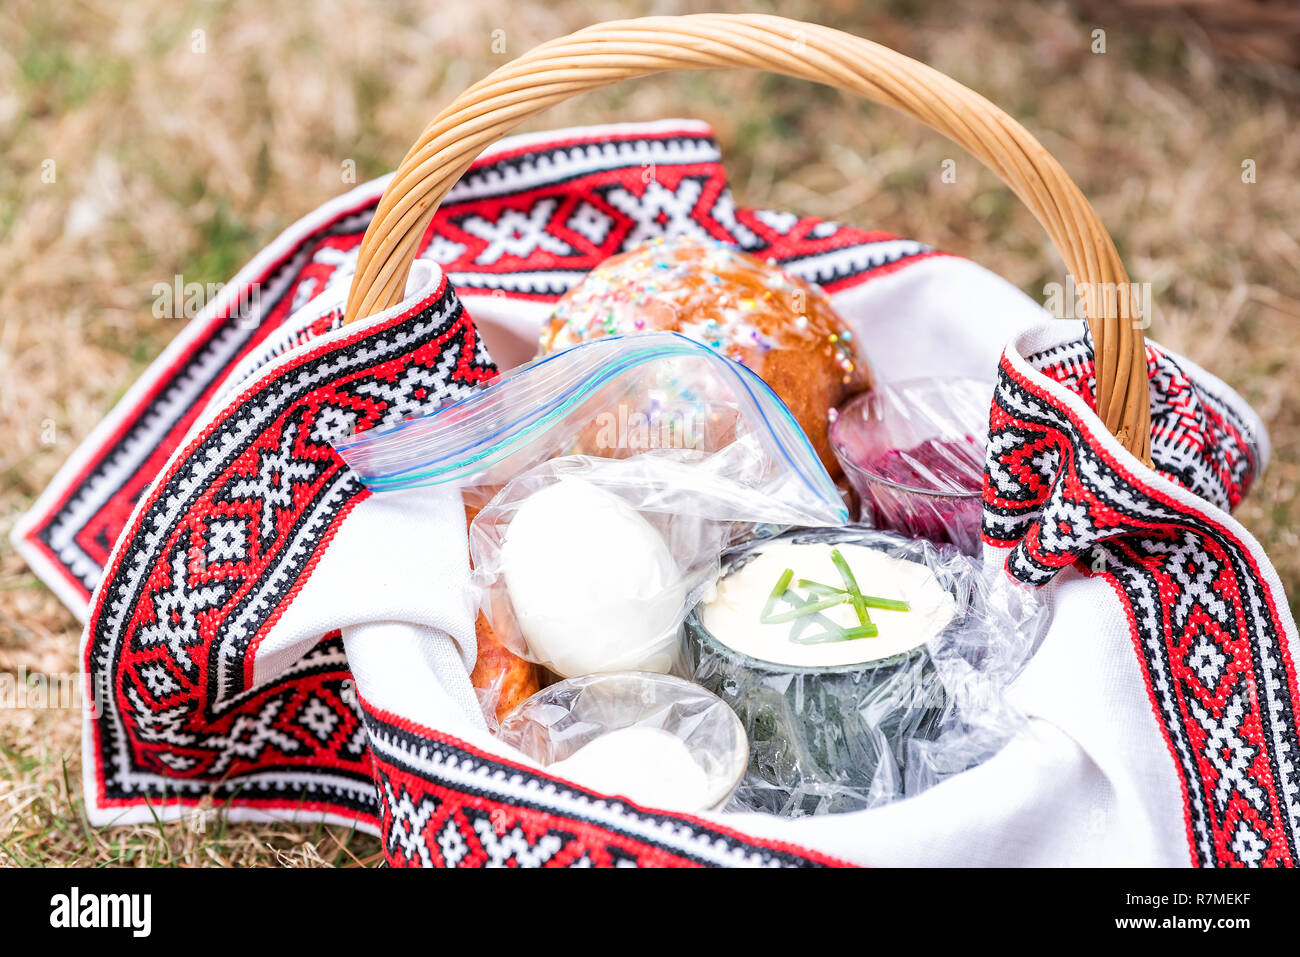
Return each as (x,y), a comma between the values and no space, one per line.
(169,161)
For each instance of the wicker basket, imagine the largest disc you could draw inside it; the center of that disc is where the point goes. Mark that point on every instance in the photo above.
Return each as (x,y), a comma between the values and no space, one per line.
(603,54)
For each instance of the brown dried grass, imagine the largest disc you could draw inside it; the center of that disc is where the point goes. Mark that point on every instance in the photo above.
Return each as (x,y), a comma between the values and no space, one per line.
(170,161)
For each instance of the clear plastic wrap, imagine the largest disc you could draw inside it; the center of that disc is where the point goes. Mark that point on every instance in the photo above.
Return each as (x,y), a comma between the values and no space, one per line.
(616,397)
(914,453)
(663,742)
(588,564)
(610,478)
(610,484)
(853,735)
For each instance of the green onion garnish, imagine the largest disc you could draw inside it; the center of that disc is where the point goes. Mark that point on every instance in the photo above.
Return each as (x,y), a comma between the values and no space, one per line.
(871,601)
(805,611)
(851,584)
(862,631)
(885,604)
(797,628)
(782,584)
(817,588)
(835,633)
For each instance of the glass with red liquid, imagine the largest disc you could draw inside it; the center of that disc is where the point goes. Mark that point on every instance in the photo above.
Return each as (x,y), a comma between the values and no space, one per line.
(914,452)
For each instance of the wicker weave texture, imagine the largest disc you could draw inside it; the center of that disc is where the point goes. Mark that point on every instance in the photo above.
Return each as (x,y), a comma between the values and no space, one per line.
(606,53)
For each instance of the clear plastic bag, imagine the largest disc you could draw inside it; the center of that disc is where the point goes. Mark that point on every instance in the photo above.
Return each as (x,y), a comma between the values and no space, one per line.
(610,478)
(663,742)
(914,453)
(856,735)
(613,398)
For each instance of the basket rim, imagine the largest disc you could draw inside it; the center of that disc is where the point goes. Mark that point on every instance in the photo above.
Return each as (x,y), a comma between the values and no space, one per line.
(603,54)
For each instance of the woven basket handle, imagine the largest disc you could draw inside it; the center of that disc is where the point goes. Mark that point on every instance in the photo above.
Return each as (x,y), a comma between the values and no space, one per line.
(603,54)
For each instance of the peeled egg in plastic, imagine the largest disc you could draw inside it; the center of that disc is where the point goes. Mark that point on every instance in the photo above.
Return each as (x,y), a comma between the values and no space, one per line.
(593,585)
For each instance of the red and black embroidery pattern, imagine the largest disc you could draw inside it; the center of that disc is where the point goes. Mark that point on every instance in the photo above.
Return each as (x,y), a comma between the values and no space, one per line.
(446,804)
(1197,439)
(233,526)
(1204,619)
(231,530)
(223,543)
(525,222)
(224,540)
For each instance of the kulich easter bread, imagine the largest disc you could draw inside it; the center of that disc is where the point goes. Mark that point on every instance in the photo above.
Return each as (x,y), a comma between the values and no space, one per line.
(777,325)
